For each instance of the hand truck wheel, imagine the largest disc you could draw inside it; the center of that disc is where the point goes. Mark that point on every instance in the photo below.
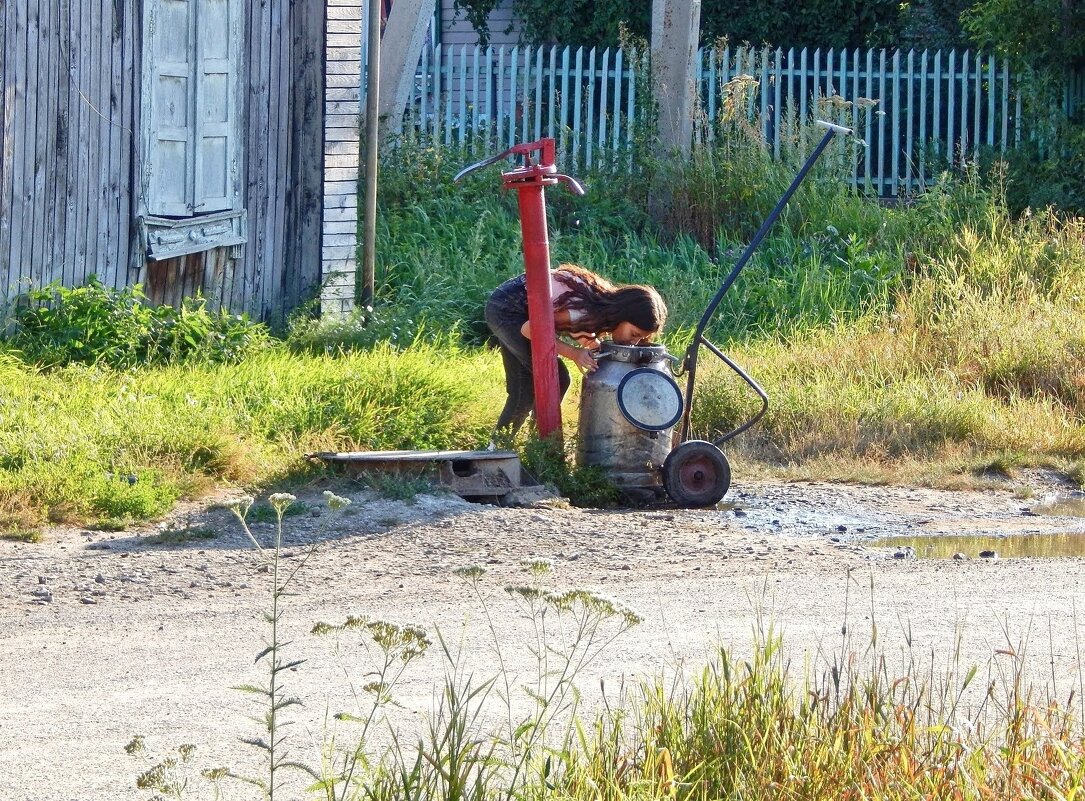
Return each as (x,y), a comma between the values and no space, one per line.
(696,473)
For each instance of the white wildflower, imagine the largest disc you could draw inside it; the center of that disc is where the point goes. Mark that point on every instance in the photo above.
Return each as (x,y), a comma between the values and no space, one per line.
(336,502)
(280,500)
(470,573)
(538,566)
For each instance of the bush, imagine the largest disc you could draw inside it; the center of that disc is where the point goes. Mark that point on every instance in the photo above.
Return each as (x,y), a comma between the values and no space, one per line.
(96,324)
(1037,179)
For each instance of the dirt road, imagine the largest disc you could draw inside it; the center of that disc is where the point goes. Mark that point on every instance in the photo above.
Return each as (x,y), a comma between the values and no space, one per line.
(104,636)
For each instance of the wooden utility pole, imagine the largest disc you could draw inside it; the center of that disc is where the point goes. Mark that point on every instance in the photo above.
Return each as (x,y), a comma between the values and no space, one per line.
(372,97)
(393,59)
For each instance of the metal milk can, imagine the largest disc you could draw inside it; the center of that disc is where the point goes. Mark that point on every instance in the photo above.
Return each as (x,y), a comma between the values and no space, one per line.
(628,409)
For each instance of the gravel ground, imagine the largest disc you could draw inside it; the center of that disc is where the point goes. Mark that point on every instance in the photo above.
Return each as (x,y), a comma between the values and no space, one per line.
(107,635)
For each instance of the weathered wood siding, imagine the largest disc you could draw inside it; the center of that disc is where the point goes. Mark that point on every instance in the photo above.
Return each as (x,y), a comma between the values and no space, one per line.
(69,189)
(456,30)
(284,136)
(65,176)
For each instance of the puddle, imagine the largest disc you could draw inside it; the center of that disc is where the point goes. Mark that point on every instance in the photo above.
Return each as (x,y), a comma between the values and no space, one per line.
(1070,505)
(1017,545)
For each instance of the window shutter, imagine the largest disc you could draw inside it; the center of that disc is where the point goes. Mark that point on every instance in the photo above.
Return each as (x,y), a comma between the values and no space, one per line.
(172,107)
(218,61)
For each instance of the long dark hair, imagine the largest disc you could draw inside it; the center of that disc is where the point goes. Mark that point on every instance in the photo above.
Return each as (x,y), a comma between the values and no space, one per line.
(604,306)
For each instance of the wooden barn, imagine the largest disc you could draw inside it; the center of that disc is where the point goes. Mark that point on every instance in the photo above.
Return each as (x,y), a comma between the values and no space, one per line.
(186,145)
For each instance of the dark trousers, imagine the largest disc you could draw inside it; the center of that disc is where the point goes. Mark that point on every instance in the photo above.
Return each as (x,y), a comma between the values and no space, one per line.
(506,313)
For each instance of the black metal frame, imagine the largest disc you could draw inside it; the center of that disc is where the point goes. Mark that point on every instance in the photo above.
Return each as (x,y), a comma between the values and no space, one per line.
(689,364)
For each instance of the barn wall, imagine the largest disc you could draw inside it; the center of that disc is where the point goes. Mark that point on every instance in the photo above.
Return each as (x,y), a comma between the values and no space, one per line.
(69,106)
(67,95)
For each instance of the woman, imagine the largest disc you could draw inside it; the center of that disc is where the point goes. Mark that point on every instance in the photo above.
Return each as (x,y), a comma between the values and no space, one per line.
(586,307)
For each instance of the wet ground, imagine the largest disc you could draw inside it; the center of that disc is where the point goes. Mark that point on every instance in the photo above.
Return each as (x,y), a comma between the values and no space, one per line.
(917,524)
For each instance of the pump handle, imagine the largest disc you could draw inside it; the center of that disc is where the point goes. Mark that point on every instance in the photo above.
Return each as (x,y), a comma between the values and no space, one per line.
(544,146)
(482,164)
(574,185)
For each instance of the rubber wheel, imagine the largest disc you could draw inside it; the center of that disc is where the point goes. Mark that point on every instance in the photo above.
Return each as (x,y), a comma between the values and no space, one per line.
(696,473)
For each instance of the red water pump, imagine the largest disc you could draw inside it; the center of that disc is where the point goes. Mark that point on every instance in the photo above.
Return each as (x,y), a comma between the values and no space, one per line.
(530,181)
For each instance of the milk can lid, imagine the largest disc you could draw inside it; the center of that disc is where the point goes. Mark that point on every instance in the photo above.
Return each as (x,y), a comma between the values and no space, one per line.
(650,399)
(633,354)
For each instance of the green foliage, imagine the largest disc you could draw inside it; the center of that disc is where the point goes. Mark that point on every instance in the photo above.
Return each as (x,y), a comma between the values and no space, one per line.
(582,22)
(1046,41)
(817,23)
(813,23)
(1039,176)
(119,499)
(1046,35)
(96,324)
(932,24)
(399,486)
(586,486)
(477,13)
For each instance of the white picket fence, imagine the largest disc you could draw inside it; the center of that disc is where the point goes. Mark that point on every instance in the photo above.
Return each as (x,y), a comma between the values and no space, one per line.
(930,110)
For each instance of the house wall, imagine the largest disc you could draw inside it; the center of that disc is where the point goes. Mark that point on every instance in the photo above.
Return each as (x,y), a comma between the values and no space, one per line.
(456,30)
(342,152)
(69,104)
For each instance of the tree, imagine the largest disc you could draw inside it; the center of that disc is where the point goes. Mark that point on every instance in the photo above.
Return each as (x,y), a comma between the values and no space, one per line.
(1045,35)
(784,23)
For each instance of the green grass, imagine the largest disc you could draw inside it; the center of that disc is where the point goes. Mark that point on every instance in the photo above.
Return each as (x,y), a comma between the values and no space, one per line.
(21,535)
(752,729)
(924,342)
(980,359)
(86,444)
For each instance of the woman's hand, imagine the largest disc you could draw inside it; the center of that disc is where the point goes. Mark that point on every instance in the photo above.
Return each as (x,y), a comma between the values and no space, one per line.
(581,357)
(585,360)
